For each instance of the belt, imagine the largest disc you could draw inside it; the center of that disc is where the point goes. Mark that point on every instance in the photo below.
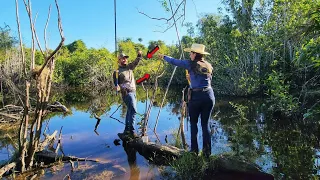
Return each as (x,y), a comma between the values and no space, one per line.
(201,89)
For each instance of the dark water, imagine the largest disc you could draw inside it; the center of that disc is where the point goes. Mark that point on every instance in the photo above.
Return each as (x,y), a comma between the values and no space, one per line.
(286,148)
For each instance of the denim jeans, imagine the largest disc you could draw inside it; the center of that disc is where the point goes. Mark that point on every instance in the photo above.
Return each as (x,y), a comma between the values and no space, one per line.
(131,103)
(201,104)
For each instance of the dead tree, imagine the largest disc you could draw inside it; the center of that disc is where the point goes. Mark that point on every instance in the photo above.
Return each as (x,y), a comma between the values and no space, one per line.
(29,142)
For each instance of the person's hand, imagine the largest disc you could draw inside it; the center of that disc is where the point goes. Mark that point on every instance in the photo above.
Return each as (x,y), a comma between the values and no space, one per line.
(117,88)
(160,56)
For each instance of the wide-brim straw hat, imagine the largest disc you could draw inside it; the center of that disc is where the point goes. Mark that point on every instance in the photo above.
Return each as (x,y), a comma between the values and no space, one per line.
(198,48)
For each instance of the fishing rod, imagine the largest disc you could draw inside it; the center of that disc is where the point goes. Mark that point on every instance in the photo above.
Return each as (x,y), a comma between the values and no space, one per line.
(116,46)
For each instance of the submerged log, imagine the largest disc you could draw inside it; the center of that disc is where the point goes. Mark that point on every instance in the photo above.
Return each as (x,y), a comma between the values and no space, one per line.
(49,157)
(155,153)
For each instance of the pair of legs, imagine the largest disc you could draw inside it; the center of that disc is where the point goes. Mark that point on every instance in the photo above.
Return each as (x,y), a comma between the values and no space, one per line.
(131,103)
(200,106)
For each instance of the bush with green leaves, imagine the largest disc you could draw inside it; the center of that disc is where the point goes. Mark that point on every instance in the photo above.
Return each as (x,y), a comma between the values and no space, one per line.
(278,92)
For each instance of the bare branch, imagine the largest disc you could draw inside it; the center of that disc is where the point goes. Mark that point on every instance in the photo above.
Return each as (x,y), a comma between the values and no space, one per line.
(45,31)
(61,42)
(170,26)
(59,21)
(166,19)
(29,11)
(152,17)
(35,33)
(20,39)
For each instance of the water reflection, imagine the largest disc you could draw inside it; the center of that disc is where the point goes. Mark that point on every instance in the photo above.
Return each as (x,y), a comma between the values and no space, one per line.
(96,126)
(132,160)
(287,148)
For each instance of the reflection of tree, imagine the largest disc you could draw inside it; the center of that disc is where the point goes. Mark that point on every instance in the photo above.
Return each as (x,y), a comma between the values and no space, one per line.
(9,135)
(292,145)
(243,133)
(292,141)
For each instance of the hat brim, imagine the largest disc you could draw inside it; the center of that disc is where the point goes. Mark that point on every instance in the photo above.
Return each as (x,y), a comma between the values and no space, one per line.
(189,50)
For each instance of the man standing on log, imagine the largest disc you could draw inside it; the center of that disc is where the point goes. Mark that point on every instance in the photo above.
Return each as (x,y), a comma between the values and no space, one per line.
(125,83)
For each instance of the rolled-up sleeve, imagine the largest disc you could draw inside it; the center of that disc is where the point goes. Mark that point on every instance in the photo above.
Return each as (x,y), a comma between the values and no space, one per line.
(180,63)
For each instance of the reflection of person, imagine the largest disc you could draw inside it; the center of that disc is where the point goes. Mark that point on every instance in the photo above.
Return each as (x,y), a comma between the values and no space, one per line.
(125,83)
(132,160)
(202,97)
(96,126)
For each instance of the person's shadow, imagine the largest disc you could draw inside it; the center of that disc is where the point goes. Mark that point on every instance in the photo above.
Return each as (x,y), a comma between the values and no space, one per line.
(132,160)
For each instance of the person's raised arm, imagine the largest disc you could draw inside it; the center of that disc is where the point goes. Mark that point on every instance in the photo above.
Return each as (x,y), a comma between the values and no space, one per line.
(180,63)
(134,64)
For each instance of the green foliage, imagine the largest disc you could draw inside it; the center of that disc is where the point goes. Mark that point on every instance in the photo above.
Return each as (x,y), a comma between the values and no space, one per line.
(6,41)
(242,137)
(128,48)
(309,53)
(83,67)
(176,139)
(190,166)
(164,4)
(278,91)
(78,45)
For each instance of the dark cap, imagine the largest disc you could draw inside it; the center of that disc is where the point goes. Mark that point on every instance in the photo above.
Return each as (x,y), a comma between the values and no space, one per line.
(122,55)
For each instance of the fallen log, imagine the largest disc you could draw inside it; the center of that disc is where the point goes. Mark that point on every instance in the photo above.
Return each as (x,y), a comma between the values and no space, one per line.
(49,157)
(155,153)
(9,116)
(13,108)
(222,167)
(6,168)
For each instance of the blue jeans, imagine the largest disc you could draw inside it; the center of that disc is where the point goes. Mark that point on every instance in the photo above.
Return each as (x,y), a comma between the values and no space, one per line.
(131,103)
(201,104)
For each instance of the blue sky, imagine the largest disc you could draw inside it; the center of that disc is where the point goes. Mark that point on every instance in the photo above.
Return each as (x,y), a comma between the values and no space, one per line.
(93,21)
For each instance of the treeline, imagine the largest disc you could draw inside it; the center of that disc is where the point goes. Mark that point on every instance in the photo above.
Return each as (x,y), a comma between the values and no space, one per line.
(257,47)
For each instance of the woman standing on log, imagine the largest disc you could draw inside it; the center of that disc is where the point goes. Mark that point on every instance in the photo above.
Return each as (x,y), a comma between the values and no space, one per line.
(201,99)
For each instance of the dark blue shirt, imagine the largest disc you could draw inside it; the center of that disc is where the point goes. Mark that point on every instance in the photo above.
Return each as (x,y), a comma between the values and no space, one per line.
(197,81)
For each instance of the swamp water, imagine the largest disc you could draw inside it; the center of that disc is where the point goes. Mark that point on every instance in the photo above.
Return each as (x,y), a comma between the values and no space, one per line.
(284,149)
